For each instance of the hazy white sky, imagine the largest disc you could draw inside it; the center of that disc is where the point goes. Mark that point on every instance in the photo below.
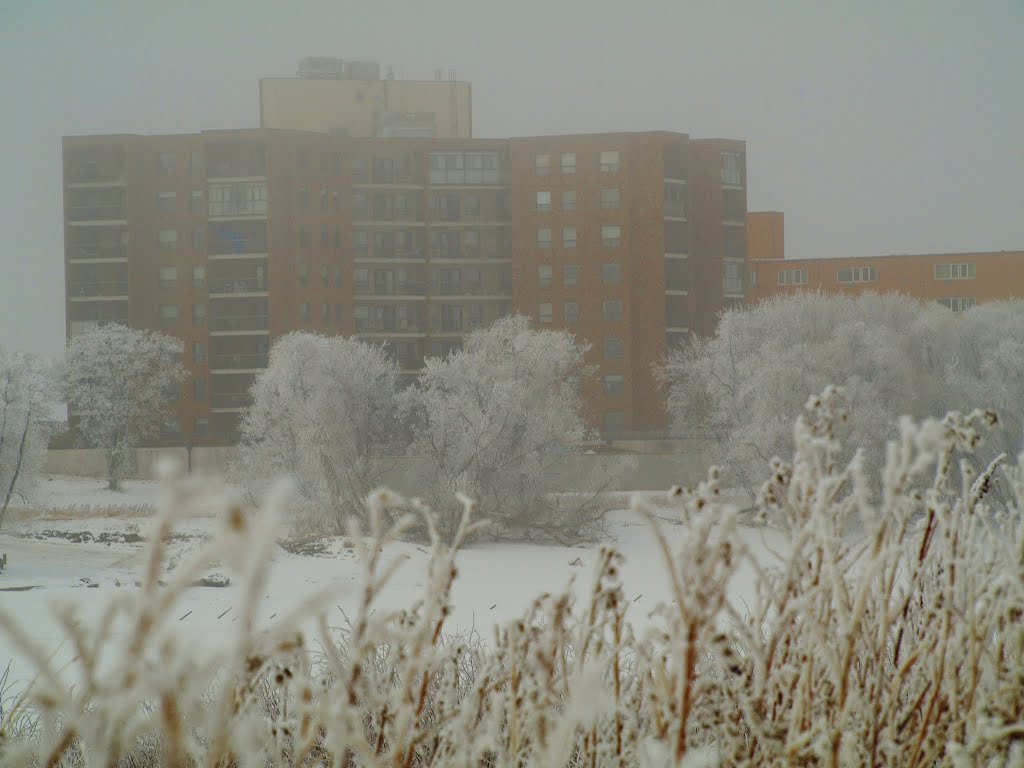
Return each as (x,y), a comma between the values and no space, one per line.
(878,127)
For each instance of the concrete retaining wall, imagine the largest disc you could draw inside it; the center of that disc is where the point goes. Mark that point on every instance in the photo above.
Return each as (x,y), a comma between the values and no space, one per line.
(577,472)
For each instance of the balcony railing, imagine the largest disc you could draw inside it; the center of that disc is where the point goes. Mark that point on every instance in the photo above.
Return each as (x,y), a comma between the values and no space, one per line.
(237,245)
(98,251)
(230,400)
(240,361)
(366,326)
(117,288)
(97,213)
(239,323)
(402,289)
(675,211)
(237,208)
(237,285)
(89,173)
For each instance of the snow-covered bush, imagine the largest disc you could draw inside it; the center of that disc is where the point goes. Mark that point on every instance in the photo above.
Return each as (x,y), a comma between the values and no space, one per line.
(26,392)
(493,418)
(117,383)
(744,386)
(891,633)
(325,414)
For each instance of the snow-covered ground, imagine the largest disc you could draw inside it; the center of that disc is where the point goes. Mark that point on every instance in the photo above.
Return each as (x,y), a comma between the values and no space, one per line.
(82,544)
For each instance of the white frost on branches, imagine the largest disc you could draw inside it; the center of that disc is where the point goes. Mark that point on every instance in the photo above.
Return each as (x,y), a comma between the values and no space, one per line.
(116,384)
(324,414)
(493,418)
(26,392)
(744,386)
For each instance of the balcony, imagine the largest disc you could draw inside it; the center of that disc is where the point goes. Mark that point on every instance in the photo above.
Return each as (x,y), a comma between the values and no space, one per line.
(404,290)
(239,324)
(235,160)
(230,286)
(97,214)
(92,291)
(97,252)
(245,199)
(94,166)
(238,362)
(239,240)
(230,401)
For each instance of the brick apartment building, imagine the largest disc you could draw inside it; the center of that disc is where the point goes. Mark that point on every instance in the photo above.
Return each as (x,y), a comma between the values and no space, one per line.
(956,280)
(230,239)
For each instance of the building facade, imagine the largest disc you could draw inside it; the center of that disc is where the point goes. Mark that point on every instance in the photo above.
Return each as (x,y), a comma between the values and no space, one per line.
(230,239)
(956,280)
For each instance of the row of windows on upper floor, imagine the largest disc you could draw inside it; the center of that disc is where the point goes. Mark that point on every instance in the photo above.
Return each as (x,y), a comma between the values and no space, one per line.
(960,271)
(608,162)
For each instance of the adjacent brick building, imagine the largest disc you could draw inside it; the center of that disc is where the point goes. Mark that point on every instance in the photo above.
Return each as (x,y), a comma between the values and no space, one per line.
(956,280)
(229,239)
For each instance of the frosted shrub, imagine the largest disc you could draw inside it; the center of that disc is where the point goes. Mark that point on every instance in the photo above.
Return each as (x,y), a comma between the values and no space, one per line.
(890,633)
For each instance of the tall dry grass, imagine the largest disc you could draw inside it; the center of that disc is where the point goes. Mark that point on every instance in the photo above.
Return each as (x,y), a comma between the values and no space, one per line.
(890,634)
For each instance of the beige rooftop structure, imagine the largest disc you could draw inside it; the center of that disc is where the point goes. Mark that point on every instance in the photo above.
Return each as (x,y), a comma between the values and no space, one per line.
(349,98)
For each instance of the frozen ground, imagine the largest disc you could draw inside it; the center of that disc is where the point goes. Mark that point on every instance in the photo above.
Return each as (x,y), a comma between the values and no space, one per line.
(79,544)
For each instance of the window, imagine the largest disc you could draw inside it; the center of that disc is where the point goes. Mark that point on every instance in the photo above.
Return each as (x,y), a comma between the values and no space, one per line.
(303,201)
(362,316)
(471,205)
(732,168)
(302,159)
(324,204)
(610,161)
(198,314)
(337,277)
(197,201)
(611,274)
(243,198)
(325,236)
(200,425)
(198,353)
(303,274)
(734,242)
(856,275)
(168,239)
(677,275)
(544,200)
(732,278)
(542,165)
(544,238)
(570,274)
(360,169)
(568,237)
(544,312)
(325,313)
(964,271)
(198,235)
(168,277)
(303,236)
(361,279)
(569,200)
(674,200)
(360,241)
(614,421)
(168,163)
(614,384)
(166,201)
(959,304)
(752,280)
(572,312)
(611,235)
(360,204)
(195,163)
(792,277)
(304,316)
(611,310)
(168,315)
(337,314)
(198,276)
(544,274)
(170,426)
(337,202)
(467,168)
(614,348)
(337,236)
(568,162)
(324,279)
(609,198)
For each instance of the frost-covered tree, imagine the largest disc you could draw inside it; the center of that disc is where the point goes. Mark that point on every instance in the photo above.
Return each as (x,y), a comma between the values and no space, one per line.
(116,383)
(494,417)
(745,385)
(325,413)
(26,392)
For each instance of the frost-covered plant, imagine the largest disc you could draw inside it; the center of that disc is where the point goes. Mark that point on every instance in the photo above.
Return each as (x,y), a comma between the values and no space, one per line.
(26,393)
(744,386)
(324,414)
(493,418)
(890,632)
(117,381)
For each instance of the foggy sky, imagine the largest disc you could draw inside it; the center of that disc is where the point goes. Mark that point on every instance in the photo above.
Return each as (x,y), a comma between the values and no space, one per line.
(876,129)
